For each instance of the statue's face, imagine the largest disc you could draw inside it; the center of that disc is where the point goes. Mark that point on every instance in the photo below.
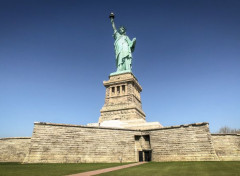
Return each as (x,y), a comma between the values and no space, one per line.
(122,30)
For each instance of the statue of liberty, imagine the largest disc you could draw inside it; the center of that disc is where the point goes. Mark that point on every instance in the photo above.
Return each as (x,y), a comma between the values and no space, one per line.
(123,48)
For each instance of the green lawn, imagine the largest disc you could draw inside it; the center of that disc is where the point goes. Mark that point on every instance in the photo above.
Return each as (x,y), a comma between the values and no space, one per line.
(221,168)
(17,169)
(228,168)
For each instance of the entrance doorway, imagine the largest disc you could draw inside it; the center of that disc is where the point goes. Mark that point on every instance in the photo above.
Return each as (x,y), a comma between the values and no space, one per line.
(140,156)
(148,155)
(145,155)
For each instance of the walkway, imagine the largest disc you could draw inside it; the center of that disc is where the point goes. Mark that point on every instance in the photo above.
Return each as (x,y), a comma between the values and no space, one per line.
(100,171)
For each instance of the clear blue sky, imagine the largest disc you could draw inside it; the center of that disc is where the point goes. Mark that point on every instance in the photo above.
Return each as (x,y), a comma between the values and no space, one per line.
(54,56)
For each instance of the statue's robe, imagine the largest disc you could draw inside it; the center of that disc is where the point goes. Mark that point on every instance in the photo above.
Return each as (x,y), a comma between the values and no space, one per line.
(123,48)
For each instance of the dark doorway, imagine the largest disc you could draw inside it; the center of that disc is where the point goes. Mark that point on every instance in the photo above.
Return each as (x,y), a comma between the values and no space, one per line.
(140,156)
(148,155)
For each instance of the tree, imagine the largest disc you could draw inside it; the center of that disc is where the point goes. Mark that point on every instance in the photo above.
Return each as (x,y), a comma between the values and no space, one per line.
(227,129)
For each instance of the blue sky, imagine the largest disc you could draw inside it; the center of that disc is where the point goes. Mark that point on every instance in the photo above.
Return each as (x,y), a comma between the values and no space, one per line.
(54,56)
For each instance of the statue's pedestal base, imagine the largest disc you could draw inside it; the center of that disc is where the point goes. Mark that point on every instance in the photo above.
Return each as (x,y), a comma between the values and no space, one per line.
(122,101)
(123,106)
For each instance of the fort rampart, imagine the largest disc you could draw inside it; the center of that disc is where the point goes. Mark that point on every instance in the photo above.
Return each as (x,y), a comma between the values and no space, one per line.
(61,143)
(227,146)
(14,149)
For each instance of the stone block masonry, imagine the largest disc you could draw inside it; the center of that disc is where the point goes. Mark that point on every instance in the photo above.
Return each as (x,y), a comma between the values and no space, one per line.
(122,100)
(227,146)
(182,143)
(14,149)
(60,143)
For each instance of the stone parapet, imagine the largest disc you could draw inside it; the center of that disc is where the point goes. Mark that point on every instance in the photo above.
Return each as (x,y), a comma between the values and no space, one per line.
(8,138)
(82,126)
(179,126)
(225,134)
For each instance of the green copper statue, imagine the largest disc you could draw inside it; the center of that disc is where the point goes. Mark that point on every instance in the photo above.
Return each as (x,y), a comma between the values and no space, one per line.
(123,48)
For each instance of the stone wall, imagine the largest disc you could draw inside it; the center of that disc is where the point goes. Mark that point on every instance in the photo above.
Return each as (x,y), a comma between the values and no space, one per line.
(14,149)
(60,143)
(182,143)
(227,146)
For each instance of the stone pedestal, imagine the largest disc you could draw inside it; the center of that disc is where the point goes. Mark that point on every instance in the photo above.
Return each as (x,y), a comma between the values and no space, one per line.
(123,99)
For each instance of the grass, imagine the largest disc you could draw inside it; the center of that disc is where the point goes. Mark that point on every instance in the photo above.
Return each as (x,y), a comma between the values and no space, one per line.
(17,169)
(210,168)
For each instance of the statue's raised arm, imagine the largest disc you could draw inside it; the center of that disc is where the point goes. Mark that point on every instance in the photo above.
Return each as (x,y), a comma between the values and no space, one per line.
(123,48)
(111,16)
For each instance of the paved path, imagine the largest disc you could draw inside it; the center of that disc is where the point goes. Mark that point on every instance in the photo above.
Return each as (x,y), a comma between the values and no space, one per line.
(100,171)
